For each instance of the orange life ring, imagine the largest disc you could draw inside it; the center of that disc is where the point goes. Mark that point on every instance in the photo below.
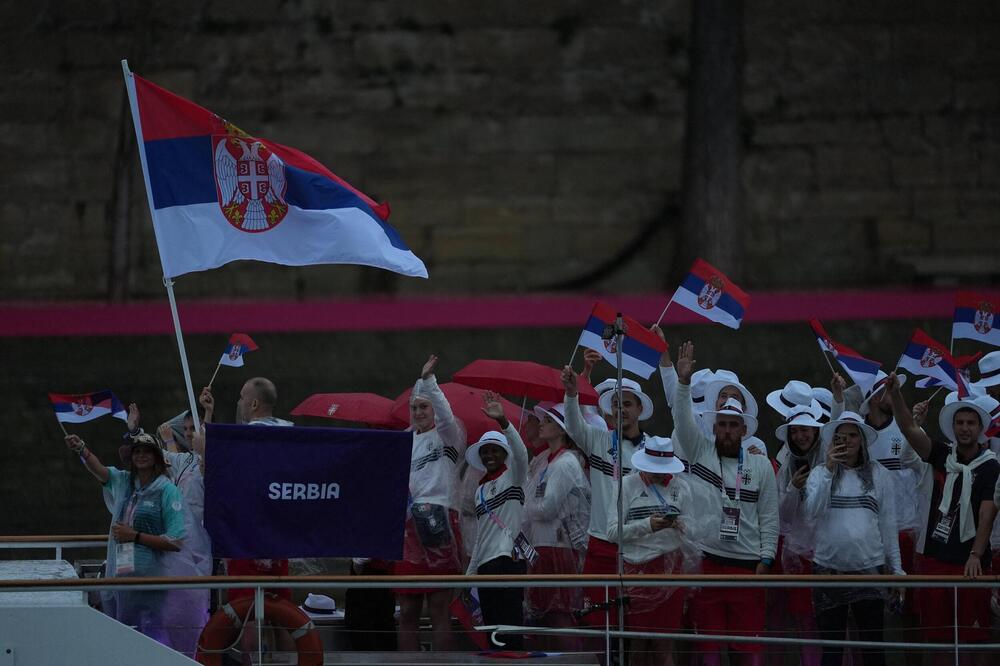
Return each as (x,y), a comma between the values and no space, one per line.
(223,627)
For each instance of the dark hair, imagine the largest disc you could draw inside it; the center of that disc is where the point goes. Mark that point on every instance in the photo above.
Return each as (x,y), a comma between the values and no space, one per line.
(159,463)
(958,411)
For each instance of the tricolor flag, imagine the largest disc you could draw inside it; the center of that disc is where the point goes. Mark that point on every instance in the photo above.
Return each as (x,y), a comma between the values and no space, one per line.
(974,318)
(962,363)
(81,407)
(861,370)
(239,344)
(926,357)
(641,348)
(711,294)
(218,194)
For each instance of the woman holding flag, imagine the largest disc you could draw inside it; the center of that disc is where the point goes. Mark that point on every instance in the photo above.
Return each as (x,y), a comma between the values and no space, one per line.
(147,523)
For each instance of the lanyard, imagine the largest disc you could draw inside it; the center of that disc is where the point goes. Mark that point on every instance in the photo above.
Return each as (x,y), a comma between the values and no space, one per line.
(659,497)
(739,477)
(541,479)
(493,516)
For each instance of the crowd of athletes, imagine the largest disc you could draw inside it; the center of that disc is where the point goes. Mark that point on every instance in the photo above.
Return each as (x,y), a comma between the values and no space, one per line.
(857,486)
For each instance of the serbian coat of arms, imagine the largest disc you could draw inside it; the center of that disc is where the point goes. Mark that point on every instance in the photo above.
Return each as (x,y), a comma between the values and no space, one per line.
(83,407)
(250,183)
(710,293)
(983,321)
(930,359)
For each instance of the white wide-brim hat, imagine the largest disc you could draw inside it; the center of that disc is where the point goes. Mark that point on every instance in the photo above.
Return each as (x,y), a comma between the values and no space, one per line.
(880,379)
(791,398)
(490,437)
(700,380)
(721,380)
(982,405)
(989,371)
(732,408)
(657,457)
(556,412)
(848,418)
(628,386)
(824,397)
(805,417)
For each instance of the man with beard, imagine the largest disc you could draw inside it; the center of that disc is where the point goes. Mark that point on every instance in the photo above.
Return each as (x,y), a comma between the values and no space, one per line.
(740,513)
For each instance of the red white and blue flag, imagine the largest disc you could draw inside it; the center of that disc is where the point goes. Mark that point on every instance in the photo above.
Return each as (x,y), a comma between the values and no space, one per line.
(81,407)
(926,357)
(863,371)
(962,363)
(239,344)
(220,195)
(708,292)
(974,318)
(641,348)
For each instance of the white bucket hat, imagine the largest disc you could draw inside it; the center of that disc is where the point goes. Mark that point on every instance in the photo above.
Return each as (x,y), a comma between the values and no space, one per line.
(555,412)
(319,604)
(657,457)
(490,437)
(989,371)
(849,418)
(700,380)
(628,386)
(789,399)
(732,408)
(721,380)
(982,405)
(803,417)
(878,387)
(824,397)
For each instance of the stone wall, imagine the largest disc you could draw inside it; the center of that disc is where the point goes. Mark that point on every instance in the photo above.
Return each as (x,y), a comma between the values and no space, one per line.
(518,142)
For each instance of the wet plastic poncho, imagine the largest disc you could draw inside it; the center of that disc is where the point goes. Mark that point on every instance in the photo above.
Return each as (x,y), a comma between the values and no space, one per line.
(666,551)
(157,508)
(556,517)
(793,524)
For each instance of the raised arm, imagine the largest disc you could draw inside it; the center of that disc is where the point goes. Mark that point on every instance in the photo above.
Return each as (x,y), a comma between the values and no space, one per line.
(688,432)
(668,375)
(519,452)
(837,387)
(914,434)
(444,419)
(589,438)
(88,458)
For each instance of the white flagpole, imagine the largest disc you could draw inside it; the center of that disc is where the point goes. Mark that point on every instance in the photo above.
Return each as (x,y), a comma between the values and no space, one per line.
(167,282)
(664,313)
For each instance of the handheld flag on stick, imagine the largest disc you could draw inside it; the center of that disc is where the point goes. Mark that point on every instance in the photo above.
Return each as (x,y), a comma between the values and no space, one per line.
(962,364)
(974,318)
(239,344)
(926,357)
(861,370)
(82,407)
(218,195)
(708,292)
(641,348)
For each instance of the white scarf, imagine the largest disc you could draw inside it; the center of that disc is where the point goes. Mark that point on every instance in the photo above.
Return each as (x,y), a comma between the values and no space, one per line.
(954,468)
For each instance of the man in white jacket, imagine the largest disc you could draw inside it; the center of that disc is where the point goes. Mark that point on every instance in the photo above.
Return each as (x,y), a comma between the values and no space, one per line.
(740,510)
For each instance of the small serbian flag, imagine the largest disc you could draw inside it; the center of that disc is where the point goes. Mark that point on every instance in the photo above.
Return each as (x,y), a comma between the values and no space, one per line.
(861,370)
(239,344)
(641,348)
(961,362)
(81,407)
(974,318)
(926,357)
(711,294)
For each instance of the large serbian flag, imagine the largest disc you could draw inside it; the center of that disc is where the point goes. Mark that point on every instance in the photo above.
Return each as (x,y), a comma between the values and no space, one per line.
(861,370)
(926,357)
(218,195)
(239,344)
(974,318)
(708,292)
(80,407)
(641,348)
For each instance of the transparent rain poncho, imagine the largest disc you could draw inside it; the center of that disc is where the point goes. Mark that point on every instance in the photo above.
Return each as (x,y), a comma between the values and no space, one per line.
(556,516)
(666,551)
(157,508)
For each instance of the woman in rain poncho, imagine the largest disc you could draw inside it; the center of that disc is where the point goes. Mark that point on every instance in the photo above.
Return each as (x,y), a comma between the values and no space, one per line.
(556,516)
(185,611)
(656,539)
(147,523)
(850,499)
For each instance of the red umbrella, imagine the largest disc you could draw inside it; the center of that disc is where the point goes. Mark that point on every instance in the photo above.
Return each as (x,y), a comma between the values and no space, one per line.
(522,378)
(358,407)
(467,404)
